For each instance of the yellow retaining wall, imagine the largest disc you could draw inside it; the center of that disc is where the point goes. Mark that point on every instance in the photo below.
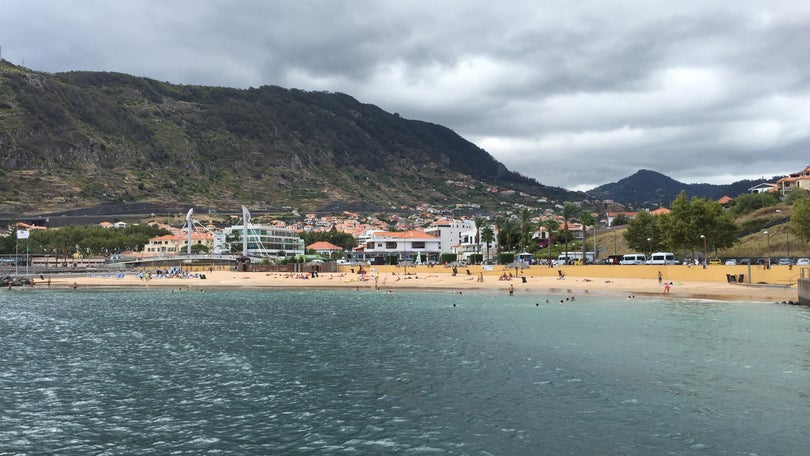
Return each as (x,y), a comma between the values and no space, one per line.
(777,275)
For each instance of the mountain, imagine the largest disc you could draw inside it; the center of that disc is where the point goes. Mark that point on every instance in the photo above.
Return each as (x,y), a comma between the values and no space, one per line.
(91,139)
(651,189)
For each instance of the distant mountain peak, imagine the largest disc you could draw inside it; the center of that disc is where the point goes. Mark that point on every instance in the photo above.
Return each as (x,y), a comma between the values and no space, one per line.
(649,189)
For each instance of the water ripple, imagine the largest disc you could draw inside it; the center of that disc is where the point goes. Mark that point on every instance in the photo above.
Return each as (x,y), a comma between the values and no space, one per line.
(326,372)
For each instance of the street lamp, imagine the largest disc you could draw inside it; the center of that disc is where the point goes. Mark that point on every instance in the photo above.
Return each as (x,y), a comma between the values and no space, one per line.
(705,253)
(768,259)
(649,241)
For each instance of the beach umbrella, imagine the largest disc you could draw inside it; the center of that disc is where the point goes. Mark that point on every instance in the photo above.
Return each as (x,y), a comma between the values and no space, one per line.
(517,265)
(405,264)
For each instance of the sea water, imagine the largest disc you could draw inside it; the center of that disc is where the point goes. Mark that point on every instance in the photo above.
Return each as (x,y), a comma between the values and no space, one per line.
(247,372)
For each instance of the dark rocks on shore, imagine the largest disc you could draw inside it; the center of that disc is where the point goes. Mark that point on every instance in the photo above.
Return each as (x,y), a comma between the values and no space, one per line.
(14,281)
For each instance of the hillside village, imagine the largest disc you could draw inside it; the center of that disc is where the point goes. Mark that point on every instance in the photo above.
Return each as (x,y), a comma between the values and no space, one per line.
(424,235)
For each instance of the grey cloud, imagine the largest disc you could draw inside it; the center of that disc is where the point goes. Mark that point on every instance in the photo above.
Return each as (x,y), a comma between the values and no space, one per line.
(574,95)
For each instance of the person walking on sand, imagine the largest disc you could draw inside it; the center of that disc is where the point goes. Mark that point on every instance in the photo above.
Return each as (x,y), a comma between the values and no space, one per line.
(660,277)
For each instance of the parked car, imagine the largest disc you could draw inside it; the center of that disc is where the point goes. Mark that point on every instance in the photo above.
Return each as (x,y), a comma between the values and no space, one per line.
(731,262)
(744,261)
(715,261)
(785,261)
(803,262)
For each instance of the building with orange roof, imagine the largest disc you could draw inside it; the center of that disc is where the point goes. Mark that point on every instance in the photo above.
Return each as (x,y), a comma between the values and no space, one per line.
(173,244)
(324,248)
(725,200)
(799,180)
(660,211)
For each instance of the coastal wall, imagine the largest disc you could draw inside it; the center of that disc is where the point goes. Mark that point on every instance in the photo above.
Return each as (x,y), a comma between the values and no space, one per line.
(804,291)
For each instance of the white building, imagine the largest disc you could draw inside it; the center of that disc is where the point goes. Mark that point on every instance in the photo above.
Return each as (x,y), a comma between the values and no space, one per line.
(263,241)
(402,244)
(452,233)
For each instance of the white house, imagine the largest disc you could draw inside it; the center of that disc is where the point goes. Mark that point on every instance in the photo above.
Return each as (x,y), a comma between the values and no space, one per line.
(452,233)
(402,244)
(764,187)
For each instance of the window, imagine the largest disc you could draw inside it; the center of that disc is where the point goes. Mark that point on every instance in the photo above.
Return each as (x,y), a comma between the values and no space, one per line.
(418,245)
(390,245)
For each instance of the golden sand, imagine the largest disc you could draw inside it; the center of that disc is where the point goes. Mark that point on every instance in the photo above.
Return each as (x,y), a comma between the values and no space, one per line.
(583,280)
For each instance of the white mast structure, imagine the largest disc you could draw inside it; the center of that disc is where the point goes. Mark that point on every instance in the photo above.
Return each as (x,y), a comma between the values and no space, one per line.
(246,223)
(189,225)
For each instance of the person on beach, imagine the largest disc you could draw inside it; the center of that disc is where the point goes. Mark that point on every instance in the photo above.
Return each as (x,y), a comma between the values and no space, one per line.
(660,277)
(666,287)
(511,289)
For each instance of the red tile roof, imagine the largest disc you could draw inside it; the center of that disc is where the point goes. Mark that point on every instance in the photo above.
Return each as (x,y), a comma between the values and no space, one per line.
(323,245)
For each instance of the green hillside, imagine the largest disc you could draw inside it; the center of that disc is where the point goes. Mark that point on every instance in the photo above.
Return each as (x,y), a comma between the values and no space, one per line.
(78,139)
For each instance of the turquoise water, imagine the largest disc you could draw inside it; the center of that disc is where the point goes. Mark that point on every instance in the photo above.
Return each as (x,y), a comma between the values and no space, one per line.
(342,372)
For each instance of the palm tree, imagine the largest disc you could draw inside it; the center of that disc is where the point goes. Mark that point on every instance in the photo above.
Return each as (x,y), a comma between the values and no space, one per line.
(487,236)
(587,220)
(525,227)
(551,226)
(499,225)
(479,223)
(569,210)
(510,229)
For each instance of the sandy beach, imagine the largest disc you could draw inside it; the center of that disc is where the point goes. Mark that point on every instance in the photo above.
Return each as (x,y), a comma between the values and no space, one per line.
(544,287)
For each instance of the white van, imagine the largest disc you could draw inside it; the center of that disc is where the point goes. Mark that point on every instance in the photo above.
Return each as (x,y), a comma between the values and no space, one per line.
(662,258)
(633,258)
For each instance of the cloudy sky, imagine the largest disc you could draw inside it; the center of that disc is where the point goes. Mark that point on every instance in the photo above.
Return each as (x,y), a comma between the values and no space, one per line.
(574,93)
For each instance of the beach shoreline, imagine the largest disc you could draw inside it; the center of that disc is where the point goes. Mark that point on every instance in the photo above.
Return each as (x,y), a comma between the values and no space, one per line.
(436,281)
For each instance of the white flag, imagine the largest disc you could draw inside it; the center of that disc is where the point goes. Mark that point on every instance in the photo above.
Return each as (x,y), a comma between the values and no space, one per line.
(22,234)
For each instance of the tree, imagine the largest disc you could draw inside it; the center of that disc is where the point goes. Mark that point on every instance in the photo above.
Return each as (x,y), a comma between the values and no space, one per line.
(526,227)
(551,227)
(569,209)
(687,220)
(479,223)
(645,226)
(499,228)
(800,219)
(197,249)
(487,236)
(587,220)
(346,241)
(619,220)
(750,202)
(510,231)
(796,194)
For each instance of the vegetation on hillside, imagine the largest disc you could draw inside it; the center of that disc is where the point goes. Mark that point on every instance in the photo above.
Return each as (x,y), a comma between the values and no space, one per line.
(80,138)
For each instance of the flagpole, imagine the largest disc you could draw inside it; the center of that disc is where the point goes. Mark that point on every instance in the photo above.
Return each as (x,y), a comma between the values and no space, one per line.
(17,257)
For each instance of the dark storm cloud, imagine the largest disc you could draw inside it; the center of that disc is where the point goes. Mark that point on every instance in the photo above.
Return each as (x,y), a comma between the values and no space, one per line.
(573,94)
